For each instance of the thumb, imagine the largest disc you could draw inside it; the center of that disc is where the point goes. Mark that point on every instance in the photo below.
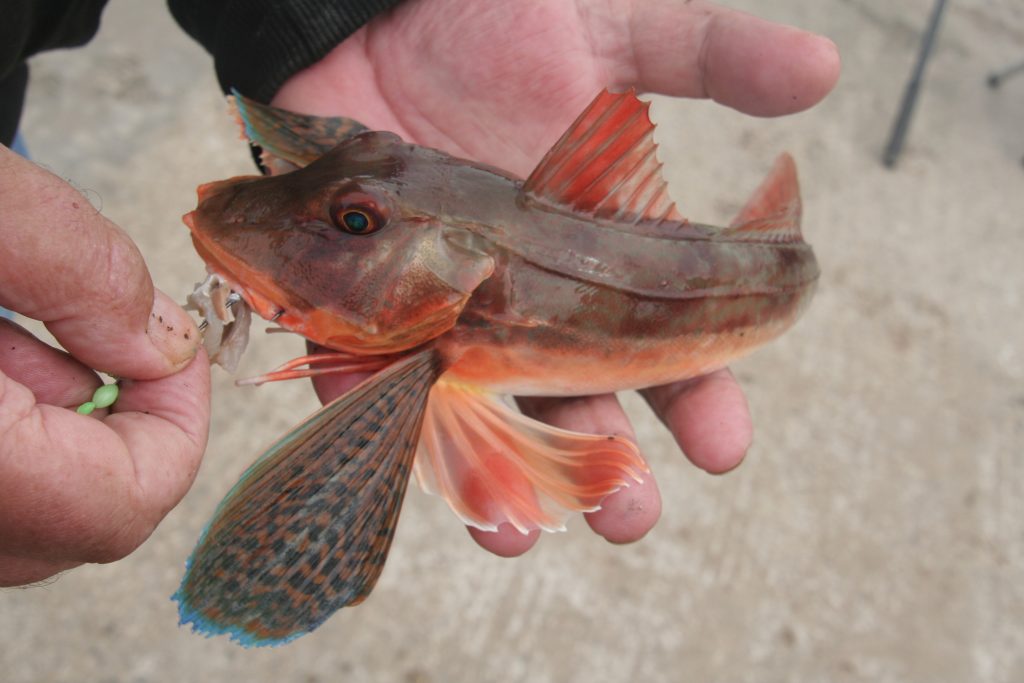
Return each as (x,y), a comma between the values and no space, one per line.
(699,49)
(69,267)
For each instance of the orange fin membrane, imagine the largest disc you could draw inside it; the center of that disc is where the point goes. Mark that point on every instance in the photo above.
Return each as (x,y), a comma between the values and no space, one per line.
(494,465)
(606,166)
(307,528)
(289,140)
(328,363)
(774,211)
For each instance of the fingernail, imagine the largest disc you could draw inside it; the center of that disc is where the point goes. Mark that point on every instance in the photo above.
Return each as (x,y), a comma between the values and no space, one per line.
(172,331)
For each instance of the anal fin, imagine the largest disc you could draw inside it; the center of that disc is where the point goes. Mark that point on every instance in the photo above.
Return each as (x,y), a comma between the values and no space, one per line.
(307,528)
(494,465)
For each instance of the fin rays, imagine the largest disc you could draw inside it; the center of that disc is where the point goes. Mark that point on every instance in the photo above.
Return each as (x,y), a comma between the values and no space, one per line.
(494,465)
(307,528)
(606,165)
(289,140)
(773,213)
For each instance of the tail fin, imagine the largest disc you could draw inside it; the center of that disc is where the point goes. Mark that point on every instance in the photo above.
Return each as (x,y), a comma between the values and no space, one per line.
(307,528)
(774,211)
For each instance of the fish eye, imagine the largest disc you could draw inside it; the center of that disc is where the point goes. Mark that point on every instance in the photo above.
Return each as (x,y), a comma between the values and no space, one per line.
(356,221)
(357,212)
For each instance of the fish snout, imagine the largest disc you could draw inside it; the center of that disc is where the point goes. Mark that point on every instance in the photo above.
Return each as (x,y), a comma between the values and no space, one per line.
(206,190)
(224,203)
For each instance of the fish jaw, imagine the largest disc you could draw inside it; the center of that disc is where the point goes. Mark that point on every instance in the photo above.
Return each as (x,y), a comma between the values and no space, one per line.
(260,292)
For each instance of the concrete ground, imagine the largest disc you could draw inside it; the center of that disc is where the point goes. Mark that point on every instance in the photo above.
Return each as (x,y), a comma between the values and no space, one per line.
(876,532)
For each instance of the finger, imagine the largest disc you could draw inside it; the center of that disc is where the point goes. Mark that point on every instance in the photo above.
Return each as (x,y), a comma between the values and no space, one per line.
(330,387)
(77,489)
(629,513)
(19,571)
(507,541)
(697,49)
(709,418)
(68,266)
(165,425)
(53,376)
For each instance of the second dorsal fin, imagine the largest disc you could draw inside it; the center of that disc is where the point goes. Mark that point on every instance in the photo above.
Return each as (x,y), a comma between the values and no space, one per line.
(773,212)
(605,165)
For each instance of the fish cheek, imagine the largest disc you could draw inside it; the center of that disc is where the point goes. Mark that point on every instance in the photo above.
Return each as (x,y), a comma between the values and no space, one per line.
(399,313)
(409,288)
(438,282)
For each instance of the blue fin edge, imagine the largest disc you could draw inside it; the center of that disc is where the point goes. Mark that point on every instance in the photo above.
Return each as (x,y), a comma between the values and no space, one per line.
(243,116)
(189,616)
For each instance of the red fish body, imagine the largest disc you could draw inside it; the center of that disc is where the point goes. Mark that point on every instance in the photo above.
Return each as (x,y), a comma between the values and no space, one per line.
(581,279)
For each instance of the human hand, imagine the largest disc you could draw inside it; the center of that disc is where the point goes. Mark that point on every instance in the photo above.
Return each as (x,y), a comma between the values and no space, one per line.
(500,82)
(76,488)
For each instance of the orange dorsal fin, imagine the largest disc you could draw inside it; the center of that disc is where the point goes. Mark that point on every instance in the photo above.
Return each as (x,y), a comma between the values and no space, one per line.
(605,165)
(773,212)
(496,466)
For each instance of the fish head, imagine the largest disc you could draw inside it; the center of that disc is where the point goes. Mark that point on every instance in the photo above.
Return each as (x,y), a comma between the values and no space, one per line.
(337,252)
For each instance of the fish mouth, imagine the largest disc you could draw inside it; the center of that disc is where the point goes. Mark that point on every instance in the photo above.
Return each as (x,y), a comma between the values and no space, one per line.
(259,292)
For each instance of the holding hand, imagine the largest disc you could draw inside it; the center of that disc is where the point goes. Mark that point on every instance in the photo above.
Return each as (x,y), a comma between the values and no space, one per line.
(499,83)
(76,488)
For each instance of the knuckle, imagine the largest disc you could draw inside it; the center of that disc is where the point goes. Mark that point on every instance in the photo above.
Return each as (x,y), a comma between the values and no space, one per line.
(124,276)
(116,534)
(113,547)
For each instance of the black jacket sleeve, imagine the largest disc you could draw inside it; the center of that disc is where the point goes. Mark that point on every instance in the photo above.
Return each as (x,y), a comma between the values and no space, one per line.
(31,26)
(257,44)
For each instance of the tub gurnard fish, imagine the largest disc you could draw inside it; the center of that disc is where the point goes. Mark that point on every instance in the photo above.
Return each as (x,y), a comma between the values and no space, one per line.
(459,282)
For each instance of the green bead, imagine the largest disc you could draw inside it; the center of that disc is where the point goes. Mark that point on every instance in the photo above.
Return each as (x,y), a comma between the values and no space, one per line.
(86,408)
(105,395)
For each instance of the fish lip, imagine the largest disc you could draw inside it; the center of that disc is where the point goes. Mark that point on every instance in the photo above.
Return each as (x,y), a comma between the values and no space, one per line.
(265,304)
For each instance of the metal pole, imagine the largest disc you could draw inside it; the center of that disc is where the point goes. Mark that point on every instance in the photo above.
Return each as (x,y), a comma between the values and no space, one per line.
(996,79)
(899,130)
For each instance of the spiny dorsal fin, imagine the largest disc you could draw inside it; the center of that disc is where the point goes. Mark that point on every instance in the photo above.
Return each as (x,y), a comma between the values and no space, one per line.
(289,140)
(773,213)
(605,165)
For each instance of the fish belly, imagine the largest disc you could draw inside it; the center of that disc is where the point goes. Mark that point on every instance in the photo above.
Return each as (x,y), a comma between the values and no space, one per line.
(685,340)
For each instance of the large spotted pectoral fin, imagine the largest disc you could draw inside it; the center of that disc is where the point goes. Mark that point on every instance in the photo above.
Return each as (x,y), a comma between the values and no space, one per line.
(308,527)
(494,465)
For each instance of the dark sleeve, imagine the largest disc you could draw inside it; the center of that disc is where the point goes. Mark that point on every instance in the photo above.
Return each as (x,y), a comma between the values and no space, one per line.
(257,44)
(31,26)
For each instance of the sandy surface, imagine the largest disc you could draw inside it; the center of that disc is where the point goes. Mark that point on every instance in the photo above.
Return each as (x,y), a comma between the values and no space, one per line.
(876,532)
